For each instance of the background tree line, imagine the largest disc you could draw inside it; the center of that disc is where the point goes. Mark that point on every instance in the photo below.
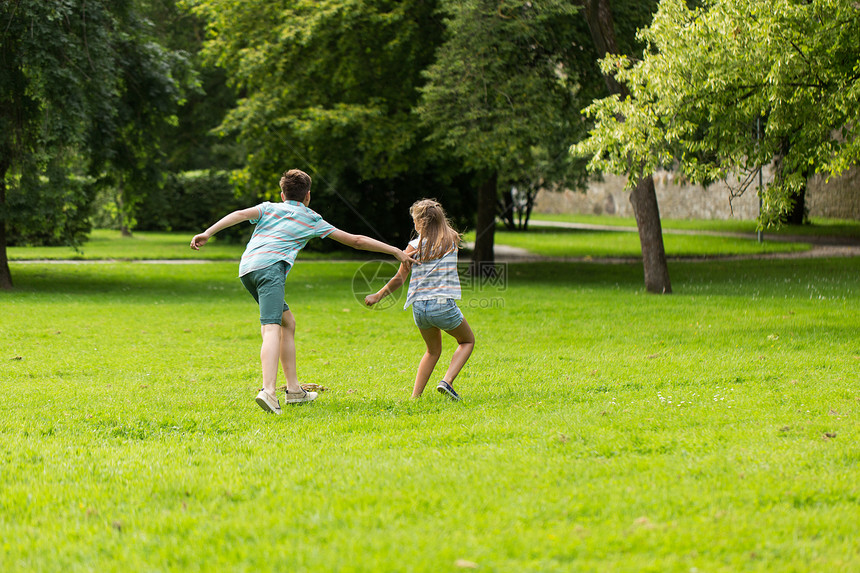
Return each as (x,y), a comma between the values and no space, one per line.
(162,114)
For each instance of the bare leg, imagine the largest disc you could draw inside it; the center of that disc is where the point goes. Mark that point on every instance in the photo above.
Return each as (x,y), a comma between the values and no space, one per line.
(288,351)
(433,339)
(465,343)
(269,354)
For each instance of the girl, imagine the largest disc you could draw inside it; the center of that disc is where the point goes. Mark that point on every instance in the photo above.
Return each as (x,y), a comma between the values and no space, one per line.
(433,288)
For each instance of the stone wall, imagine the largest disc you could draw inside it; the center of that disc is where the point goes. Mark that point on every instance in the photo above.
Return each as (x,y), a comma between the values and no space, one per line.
(838,198)
(678,199)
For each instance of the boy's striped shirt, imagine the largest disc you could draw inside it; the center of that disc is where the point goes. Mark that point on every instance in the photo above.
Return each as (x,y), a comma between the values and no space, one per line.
(435,278)
(282,230)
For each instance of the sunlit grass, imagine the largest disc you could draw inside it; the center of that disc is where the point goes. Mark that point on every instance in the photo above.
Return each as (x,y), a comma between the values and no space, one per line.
(106,244)
(819,226)
(572,243)
(602,429)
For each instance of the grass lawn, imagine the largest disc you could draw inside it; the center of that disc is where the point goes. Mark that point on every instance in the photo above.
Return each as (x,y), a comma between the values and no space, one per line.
(602,429)
(574,243)
(108,244)
(818,226)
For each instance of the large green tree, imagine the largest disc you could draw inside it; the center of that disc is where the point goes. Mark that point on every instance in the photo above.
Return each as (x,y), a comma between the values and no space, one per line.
(711,74)
(329,87)
(506,91)
(193,161)
(502,94)
(643,196)
(81,85)
(192,143)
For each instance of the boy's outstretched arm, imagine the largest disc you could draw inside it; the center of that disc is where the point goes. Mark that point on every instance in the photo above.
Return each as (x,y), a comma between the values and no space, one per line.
(395,283)
(367,244)
(226,221)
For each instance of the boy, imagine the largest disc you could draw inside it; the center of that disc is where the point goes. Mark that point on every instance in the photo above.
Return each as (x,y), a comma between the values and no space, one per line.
(282,230)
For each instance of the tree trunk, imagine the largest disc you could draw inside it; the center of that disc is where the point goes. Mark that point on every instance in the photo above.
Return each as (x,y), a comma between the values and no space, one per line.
(644,200)
(531,194)
(5,273)
(124,229)
(598,15)
(798,214)
(483,257)
(506,210)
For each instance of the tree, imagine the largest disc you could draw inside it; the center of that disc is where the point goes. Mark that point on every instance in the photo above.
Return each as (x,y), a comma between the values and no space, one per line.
(502,95)
(191,145)
(643,196)
(75,80)
(329,86)
(131,162)
(710,74)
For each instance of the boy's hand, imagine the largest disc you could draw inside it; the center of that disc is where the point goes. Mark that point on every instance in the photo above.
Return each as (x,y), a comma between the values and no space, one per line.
(199,240)
(406,259)
(372,299)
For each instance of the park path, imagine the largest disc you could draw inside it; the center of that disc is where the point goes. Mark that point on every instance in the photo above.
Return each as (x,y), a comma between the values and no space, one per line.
(813,239)
(822,246)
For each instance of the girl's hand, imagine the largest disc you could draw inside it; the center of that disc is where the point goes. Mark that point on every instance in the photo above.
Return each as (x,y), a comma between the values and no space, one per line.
(372,299)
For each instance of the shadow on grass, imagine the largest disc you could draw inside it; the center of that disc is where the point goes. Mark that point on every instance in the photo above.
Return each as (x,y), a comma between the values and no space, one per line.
(124,280)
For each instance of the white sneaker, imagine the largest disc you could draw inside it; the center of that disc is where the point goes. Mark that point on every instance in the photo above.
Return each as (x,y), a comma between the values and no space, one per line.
(299,397)
(268,402)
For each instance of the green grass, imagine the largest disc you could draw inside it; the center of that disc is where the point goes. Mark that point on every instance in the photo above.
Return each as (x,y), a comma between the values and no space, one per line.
(107,244)
(587,243)
(603,429)
(819,226)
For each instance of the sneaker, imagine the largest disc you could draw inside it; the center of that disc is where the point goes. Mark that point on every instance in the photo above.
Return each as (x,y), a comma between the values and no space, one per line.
(448,390)
(299,397)
(268,402)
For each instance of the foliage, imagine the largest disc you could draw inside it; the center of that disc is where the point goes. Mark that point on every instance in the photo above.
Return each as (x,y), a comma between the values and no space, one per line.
(191,201)
(329,87)
(192,144)
(709,431)
(709,74)
(56,207)
(502,92)
(83,90)
(188,201)
(151,81)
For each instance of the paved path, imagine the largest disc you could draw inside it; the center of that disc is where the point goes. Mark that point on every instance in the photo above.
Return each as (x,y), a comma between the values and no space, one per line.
(822,246)
(505,254)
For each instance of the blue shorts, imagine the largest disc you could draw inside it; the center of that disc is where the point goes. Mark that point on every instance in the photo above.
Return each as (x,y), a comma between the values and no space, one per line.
(267,287)
(440,313)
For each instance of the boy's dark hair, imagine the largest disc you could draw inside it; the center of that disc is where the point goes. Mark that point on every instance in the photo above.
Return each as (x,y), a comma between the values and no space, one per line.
(295,184)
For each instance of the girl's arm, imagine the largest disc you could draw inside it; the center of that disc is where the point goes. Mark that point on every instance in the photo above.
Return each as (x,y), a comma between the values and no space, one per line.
(226,221)
(395,283)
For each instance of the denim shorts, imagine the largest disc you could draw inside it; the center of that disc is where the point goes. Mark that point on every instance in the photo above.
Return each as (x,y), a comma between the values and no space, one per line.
(267,287)
(441,313)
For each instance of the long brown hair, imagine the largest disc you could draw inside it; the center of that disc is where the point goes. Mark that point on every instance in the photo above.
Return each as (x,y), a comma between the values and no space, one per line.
(438,237)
